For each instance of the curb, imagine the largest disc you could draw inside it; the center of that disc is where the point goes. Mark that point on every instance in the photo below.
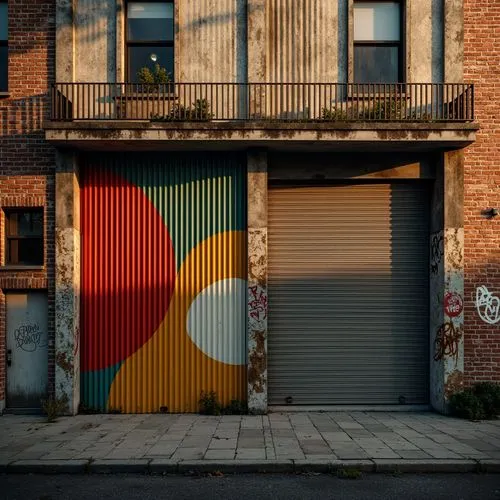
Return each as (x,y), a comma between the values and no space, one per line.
(47,467)
(195,467)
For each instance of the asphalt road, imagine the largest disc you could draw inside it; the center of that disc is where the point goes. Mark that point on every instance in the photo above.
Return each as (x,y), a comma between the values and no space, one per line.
(243,487)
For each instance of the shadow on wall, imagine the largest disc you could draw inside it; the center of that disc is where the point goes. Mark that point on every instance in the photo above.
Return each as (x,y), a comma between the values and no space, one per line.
(22,138)
(24,116)
(96,26)
(362,333)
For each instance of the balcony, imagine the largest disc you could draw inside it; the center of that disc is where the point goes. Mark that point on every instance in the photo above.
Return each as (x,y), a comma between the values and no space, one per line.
(232,115)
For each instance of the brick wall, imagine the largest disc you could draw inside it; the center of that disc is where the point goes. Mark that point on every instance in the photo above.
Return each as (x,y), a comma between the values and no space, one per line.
(482,187)
(26,161)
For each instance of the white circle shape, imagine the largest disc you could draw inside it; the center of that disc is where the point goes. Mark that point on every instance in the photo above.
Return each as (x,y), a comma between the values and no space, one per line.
(216,321)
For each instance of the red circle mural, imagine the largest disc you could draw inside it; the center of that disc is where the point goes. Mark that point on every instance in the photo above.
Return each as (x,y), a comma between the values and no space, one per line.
(128,269)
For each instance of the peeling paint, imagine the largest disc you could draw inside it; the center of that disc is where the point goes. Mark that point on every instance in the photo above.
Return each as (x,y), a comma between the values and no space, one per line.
(257,368)
(446,311)
(67,290)
(454,383)
(257,282)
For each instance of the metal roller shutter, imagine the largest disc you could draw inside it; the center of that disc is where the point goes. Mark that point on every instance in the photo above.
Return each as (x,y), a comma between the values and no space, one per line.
(348,294)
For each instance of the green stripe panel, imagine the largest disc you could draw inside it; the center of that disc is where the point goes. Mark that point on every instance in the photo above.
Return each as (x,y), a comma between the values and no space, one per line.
(189,190)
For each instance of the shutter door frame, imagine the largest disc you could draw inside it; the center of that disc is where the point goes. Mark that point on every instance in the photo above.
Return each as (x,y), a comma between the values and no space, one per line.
(330,246)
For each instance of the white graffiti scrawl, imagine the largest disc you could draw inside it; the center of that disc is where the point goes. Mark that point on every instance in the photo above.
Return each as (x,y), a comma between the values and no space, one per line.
(488,306)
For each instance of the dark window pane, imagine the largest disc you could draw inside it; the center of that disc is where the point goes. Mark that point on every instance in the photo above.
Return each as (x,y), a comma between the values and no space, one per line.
(4,64)
(139,57)
(27,251)
(3,21)
(150,21)
(376,64)
(30,223)
(150,30)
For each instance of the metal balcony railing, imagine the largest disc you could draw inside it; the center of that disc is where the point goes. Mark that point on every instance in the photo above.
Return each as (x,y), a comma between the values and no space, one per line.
(269,102)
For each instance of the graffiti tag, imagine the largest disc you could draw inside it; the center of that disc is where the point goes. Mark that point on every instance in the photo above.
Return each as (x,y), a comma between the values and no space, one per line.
(257,303)
(437,252)
(447,341)
(487,305)
(29,337)
(453,304)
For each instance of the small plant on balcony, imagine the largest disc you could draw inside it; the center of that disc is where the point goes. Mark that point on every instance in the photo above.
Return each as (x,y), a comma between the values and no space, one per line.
(333,114)
(199,111)
(151,79)
(385,109)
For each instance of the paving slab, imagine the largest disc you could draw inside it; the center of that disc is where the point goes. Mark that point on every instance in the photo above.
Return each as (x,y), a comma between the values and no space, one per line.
(421,439)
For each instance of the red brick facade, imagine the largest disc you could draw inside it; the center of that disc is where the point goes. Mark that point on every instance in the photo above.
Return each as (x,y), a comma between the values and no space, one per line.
(27,165)
(27,161)
(482,186)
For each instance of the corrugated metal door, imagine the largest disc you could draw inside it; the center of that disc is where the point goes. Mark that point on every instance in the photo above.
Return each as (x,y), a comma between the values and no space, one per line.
(163,281)
(348,294)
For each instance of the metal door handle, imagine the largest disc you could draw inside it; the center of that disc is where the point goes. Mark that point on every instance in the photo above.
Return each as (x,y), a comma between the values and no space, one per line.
(9,357)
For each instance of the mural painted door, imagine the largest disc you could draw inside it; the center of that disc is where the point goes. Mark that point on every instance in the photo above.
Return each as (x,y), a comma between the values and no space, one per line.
(27,360)
(163,281)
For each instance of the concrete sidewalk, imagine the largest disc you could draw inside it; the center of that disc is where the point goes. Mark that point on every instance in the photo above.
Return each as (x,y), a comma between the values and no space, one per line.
(284,442)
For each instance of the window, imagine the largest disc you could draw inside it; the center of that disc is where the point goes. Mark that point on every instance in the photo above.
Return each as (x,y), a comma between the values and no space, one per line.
(4,56)
(377,42)
(150,37)
(24,236)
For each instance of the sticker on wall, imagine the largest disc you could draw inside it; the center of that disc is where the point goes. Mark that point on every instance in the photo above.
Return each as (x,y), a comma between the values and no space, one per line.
(487,305)
(453,304)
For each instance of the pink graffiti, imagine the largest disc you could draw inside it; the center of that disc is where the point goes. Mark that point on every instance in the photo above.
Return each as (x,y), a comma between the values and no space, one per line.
(257,303)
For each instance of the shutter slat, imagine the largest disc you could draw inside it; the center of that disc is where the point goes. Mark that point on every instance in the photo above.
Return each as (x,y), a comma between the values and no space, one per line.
(348,294)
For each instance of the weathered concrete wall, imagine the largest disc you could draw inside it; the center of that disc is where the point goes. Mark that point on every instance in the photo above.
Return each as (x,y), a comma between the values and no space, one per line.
(67,294)
(211,41)
(302,40)
(95,40)
(257,39)
(65,41)
(453,40)
(424,39)
(257,281)
(447,281)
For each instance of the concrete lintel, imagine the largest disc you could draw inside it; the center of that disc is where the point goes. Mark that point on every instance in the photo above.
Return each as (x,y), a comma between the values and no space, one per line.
(317,166)
(451,138)
(67,296)
(257,281)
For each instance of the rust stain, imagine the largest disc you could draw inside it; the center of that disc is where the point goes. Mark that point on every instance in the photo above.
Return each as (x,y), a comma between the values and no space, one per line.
(257,362)
(63,362)
(455,255)
(454,383)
